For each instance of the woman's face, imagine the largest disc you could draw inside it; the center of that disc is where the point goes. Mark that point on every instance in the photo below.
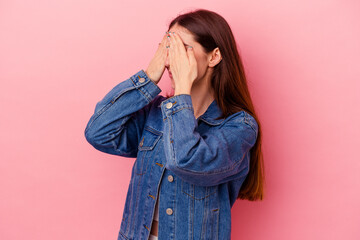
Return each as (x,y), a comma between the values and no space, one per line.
(200,55)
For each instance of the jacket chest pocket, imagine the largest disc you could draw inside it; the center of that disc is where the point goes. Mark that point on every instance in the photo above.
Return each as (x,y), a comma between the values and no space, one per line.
(147,150)
(197,192)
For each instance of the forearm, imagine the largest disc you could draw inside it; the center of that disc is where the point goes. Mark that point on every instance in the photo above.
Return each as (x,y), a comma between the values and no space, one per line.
(114,110)
(209,158)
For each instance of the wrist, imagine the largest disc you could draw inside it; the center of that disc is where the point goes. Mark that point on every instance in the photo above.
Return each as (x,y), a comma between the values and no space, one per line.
(182,90)
(151,77)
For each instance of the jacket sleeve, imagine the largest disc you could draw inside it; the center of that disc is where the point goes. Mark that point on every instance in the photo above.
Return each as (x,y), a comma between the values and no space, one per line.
(118,119)
(218,156)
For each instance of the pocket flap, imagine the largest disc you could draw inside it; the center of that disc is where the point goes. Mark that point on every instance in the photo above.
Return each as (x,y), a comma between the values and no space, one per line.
(149,139)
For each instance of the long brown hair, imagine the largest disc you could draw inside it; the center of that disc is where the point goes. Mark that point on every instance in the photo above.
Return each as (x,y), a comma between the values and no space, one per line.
(229,83)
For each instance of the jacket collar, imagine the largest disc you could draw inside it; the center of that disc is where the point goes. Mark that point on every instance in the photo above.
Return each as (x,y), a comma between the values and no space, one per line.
(211,113)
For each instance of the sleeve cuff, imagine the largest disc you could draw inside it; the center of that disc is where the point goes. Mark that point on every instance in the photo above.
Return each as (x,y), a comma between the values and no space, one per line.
(175,104)
(145,85)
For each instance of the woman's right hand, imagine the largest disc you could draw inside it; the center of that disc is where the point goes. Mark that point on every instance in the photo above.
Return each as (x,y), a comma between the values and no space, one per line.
(156,66)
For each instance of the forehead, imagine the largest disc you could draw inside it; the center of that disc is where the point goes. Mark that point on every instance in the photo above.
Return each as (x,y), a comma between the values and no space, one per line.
(184,34)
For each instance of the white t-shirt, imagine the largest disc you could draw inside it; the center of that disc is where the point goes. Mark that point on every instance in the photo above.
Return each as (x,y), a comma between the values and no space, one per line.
(156,217)
(156,214)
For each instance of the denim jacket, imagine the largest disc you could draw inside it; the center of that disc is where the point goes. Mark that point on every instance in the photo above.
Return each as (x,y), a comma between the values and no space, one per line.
(194,166)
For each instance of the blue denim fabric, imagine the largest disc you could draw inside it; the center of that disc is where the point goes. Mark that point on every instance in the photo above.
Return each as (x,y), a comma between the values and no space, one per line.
(194,166)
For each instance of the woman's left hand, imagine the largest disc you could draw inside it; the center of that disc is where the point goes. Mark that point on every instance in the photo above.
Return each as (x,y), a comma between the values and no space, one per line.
(182,63)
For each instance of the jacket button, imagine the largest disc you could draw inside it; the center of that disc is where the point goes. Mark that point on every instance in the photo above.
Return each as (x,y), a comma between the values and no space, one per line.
(141,80)
(169,105)
(170,178)
(169,211)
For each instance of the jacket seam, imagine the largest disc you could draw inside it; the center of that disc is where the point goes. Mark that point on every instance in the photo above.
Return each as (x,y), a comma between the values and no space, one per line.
(122,234)
(109,104)
(208,173)
(229,169)
(145,93)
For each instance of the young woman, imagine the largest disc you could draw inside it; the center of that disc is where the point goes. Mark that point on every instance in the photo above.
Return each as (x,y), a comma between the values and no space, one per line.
(197,151)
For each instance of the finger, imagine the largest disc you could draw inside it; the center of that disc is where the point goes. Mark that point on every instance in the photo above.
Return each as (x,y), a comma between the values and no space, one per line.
(162,50)
(178,39)
(173,56)
(174,47)
(171,40)
(191,56)
(163,41)
(167,40)
(179,44)
(171,52)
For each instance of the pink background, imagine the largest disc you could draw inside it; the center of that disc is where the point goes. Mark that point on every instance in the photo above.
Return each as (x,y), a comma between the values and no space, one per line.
(59,58)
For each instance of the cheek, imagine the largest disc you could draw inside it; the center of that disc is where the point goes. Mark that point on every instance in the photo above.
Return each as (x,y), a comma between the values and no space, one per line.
(201,63)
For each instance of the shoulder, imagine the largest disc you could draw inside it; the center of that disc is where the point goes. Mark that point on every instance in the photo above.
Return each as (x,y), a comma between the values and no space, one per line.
(241,119)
